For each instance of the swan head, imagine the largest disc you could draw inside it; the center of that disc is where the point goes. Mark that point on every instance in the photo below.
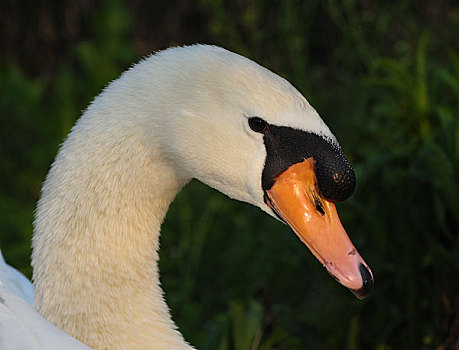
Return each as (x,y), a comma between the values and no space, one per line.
(250,134)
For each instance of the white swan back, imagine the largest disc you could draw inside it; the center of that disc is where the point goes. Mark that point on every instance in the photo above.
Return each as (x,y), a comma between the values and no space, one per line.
(15,282)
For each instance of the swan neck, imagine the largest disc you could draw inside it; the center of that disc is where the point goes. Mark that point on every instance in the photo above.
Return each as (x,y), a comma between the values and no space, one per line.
(96,236)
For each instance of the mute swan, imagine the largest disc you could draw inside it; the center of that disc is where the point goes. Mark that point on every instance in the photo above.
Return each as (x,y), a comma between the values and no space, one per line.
(190,112)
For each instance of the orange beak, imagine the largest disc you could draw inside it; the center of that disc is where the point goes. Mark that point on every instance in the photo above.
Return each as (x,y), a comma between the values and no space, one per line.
(296,199)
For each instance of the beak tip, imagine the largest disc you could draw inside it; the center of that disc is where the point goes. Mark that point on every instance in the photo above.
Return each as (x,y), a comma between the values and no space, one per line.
(367,283)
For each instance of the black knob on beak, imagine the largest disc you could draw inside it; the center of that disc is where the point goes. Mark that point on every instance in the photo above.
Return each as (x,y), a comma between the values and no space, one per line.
(335,176)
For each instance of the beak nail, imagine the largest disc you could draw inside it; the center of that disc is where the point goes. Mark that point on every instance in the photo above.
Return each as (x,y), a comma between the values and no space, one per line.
(367,283)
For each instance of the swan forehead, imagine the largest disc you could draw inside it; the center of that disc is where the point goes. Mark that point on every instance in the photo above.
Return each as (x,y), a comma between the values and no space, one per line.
(222,83)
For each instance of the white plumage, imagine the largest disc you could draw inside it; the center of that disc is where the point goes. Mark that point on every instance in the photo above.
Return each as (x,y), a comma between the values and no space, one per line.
(179,114)
(21,327)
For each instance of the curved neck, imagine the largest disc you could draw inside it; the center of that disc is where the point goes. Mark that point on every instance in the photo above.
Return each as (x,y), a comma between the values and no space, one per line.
(96,236)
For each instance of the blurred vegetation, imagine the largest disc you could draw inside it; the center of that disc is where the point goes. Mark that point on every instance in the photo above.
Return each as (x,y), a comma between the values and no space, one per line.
(385,77)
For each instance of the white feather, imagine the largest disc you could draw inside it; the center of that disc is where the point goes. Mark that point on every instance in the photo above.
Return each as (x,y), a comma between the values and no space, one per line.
(21,327)
(179,114)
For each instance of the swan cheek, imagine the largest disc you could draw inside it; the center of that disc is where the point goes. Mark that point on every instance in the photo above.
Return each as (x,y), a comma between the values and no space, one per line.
(296,199)
(255,167)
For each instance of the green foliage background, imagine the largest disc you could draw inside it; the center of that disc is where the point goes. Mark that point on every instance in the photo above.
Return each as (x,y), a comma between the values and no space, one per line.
(383,75)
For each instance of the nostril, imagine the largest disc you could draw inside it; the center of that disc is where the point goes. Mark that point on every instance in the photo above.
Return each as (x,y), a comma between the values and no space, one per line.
(319,206)
(367,283)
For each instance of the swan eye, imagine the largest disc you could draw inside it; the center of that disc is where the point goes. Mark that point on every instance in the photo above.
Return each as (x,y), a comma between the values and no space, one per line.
(258,124)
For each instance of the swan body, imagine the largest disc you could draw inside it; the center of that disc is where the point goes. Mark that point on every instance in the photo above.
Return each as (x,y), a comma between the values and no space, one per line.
(191,112)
